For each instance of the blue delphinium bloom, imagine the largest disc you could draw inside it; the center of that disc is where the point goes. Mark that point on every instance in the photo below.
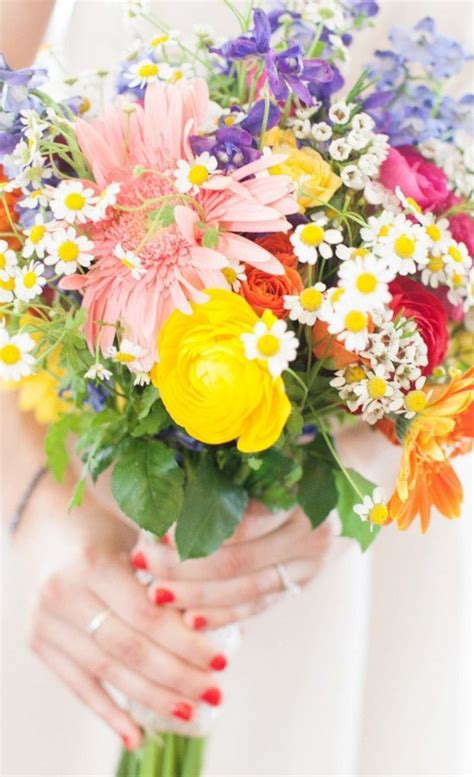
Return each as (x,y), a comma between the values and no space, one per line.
(17,85)
(287,70)
(441,55)
(97,395)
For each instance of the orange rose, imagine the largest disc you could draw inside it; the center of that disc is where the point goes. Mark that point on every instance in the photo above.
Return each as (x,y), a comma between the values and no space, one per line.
(280,246)
(335,355)
(264,291)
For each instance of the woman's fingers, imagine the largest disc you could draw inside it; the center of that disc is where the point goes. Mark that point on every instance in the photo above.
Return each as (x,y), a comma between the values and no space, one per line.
(86,652)
(90,692)
(114,582)
(227,593)
(216,617)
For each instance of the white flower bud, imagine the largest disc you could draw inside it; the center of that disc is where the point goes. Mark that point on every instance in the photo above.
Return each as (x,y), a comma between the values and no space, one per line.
(340,112)
(369,164)
(321,131)
(340,150)
(353,178)
(358,139)
(363,122)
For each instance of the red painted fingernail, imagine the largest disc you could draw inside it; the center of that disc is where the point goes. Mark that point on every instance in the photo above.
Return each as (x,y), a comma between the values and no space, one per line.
(126,741)
(163,596)
(165,540)
(218,663)
(212,696)
(199,623)
(182,710)
(139,561)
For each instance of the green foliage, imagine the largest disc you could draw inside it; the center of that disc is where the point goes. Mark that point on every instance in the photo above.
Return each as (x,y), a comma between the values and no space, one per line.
(164,216)
(55,443)
(352,526)
(147,484)
(210,239)
(317,493)
(272,477)
(156,420)
(212,509)
(78,494)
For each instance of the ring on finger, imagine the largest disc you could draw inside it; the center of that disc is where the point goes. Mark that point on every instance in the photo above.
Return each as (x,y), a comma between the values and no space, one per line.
(286,581)
(96,622)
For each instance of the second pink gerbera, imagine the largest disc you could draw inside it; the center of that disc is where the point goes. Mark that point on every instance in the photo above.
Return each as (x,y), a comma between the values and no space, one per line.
(183,241)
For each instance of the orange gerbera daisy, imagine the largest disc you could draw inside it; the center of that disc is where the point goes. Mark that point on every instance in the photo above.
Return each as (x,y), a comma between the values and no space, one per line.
(440,431)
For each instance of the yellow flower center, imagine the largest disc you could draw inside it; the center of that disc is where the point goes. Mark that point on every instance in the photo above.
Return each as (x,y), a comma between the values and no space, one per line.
(413,204)
(405,246)
(435,264)
(160,39)
(8,285)
(229,274)
(74,201)
(311,299)
(124,358)
(198,174)
(457,279)
(29,279)
(10,354)
(384,230)
(366,283)
(376,388)
(68,251)
(416,401)
(3,261)
(355,321)
(37,232)
(360,252)
(354,374)
(177,76)
(434,232)
(229,120)
(455,253)
(378,514)
(312,235)
(268,345)
(148,70)
(337,294)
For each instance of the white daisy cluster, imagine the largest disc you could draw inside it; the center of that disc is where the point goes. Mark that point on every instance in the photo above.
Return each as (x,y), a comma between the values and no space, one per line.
(16,359)
(158,59)
(389,379)
(456,159)
(352,144)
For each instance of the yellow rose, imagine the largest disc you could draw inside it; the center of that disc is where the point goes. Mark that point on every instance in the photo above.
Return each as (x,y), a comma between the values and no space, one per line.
(280,137)
(208,385)
(315,178)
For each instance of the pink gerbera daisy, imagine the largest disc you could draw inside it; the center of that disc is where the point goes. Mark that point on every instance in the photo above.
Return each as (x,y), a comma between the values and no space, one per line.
(162,231)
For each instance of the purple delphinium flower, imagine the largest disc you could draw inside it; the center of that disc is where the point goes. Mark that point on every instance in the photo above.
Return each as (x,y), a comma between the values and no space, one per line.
(287,70)
(234,143)
(17,84)
(441,55)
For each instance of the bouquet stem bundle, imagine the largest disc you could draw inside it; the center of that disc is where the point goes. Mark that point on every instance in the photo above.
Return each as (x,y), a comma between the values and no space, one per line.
(164,755)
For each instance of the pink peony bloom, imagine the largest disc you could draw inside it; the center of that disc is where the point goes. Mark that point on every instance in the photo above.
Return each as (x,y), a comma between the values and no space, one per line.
(416,177)
(462,229)
(176,264)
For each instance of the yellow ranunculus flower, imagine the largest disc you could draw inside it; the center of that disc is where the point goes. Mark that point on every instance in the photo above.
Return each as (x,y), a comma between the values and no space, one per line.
(314,177)
(38,393)
(208,385)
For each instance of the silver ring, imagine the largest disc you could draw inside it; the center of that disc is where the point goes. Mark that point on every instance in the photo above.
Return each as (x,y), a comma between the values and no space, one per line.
(286,581)
(94,625)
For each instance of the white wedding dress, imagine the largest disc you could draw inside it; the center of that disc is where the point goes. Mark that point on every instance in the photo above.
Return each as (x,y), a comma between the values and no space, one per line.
(365,673)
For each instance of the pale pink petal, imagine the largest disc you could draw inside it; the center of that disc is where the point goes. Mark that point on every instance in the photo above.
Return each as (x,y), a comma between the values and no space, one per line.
(243,250)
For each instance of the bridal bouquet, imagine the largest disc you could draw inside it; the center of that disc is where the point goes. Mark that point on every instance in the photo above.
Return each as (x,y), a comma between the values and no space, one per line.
(203,280)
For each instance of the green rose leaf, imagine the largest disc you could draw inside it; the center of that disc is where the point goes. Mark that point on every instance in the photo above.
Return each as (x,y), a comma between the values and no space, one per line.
(352,525)
(55,443)
(317,492)
(212,509)
(148,485)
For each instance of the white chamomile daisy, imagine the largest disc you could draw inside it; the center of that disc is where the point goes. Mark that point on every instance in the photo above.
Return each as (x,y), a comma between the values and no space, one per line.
(36,238)
(67,250)
(350,323)
(38,198)
(271,341)
(366,279)
(416,400)
(457,257)
(377,395)
(378,228)
(129,354)
(235,276)
(130,260)
(146,71)
(374,508)
(458,284)
(29,281)
(306,306)
(8,271)
(98,372)
(34,174)
(344,381)
(162,40)
(74,203)
(312,240)
(406,248)
(16,361)
(409,204)
(434,272)
(105,199)
(438,233)
(190,177)
(142,379)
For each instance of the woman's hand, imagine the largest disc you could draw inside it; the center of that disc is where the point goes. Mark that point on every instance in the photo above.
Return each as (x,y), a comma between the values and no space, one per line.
(242,577)
(146,652)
